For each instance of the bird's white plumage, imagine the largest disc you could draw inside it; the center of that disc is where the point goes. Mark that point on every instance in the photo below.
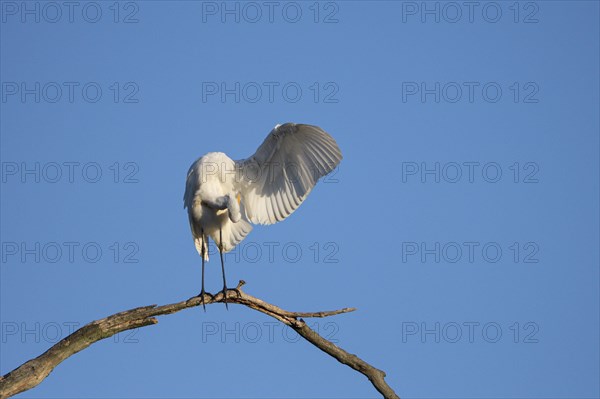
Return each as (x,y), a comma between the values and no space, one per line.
(278,177)
(262,189)
(208,180)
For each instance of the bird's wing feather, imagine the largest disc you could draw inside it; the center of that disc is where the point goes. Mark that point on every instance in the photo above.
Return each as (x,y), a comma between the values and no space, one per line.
(234,233)
(191,186)
(277,178)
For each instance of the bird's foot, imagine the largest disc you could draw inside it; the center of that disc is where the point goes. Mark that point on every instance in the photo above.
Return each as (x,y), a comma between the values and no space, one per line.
(224,291)
(201,296)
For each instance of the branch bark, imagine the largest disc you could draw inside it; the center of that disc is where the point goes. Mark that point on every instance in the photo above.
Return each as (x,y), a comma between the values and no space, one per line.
(31,373)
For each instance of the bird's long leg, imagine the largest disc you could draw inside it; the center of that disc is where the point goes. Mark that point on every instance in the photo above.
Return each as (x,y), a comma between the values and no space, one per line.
(202,292)
(223,267)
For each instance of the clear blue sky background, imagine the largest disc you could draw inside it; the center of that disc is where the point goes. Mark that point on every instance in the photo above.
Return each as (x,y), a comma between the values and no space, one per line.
(532,309)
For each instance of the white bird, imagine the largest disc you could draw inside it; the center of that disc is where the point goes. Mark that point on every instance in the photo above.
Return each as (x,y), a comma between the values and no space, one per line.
(224,197)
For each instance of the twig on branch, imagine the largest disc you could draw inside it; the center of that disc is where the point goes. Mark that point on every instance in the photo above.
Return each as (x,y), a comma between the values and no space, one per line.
(31,373)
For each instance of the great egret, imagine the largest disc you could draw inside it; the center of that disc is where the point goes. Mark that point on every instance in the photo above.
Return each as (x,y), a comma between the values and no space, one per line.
(223,197)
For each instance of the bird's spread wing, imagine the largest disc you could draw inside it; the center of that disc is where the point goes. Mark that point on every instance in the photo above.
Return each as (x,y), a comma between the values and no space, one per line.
(277,178)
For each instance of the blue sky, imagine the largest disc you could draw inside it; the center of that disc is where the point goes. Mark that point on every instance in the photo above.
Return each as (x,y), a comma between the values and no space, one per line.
(462,222)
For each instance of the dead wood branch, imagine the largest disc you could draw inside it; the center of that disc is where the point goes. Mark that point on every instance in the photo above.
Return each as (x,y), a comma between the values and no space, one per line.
(31,373)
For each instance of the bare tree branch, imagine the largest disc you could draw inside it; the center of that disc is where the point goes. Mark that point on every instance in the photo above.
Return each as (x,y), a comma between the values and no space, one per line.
(31,373)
